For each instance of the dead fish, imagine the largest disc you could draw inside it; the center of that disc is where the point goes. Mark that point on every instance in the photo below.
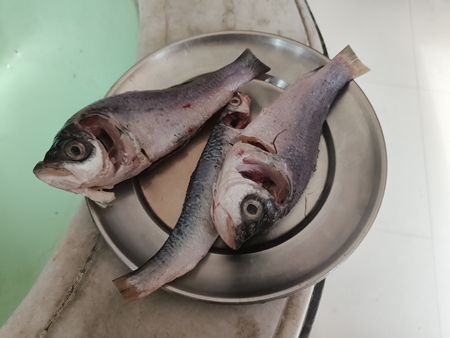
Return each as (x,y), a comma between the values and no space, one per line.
(194,233)
(118,137)
(265,174)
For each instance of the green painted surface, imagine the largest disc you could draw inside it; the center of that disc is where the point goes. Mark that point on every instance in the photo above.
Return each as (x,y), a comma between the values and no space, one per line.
(56,56)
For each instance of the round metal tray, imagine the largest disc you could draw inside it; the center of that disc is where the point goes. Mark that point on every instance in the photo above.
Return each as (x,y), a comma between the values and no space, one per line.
(325,227)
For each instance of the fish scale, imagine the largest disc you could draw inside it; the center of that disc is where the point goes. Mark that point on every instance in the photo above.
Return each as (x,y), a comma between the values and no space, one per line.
(194,232)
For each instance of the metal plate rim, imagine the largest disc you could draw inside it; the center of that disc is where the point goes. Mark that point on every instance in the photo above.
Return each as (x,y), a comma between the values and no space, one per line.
(331,267)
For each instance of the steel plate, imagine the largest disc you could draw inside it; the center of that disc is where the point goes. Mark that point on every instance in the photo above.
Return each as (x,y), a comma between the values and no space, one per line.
(335,213)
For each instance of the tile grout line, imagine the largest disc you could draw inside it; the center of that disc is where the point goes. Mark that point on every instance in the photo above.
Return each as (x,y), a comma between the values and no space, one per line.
(403,234)
(427,183)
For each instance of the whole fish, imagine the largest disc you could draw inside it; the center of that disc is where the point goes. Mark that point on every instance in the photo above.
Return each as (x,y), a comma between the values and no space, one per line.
(265,174)
(194,233)
(118,137)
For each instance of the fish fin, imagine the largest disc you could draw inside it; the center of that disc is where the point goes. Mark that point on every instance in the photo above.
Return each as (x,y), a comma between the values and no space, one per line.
(248,59)
(129,291)
(350,58)
(102,198)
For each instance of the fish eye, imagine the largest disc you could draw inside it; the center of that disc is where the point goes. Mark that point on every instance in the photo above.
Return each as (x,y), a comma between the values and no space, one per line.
(75,150)
(235,101)
(252,208)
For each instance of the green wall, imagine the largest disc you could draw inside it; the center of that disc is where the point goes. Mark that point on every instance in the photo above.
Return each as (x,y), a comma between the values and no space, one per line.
(56,56)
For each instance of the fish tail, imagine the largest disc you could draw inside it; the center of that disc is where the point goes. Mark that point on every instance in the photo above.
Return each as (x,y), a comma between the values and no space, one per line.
(349,56)
(129,291)
(249,60)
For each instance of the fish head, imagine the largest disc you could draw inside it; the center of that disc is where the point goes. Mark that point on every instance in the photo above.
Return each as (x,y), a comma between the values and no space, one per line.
(89,155)
(236,113)
(250,195)
(251,210)
(75,160)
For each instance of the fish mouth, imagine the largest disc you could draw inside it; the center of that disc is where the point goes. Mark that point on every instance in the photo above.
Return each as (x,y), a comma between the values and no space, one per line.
(42,169)
(234,239)
(237,113)
(107,134)
(228,231)
(39,168)
(56,176)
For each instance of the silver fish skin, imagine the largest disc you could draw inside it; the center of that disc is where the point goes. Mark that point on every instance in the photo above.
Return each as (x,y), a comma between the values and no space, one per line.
(265,174)
(118,137)
(194,233)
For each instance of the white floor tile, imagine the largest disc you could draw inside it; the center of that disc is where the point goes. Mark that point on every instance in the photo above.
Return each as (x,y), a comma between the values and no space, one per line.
(406,43)
(386,289)
(405,204)
(431,35)
(378,31)
(436,120)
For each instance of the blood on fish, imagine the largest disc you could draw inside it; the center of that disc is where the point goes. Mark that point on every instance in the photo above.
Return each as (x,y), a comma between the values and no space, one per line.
(187,106)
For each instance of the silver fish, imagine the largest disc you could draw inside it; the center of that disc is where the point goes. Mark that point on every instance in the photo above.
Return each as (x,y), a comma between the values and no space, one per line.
(194,233)
(118,137)
(265,174)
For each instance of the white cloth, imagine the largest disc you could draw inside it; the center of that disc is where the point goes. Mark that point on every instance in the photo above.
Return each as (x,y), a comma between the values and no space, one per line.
(163,22)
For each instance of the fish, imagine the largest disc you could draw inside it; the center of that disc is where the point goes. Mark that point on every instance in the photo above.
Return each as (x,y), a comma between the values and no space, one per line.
(267,171)
(118,137)
(194,232)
